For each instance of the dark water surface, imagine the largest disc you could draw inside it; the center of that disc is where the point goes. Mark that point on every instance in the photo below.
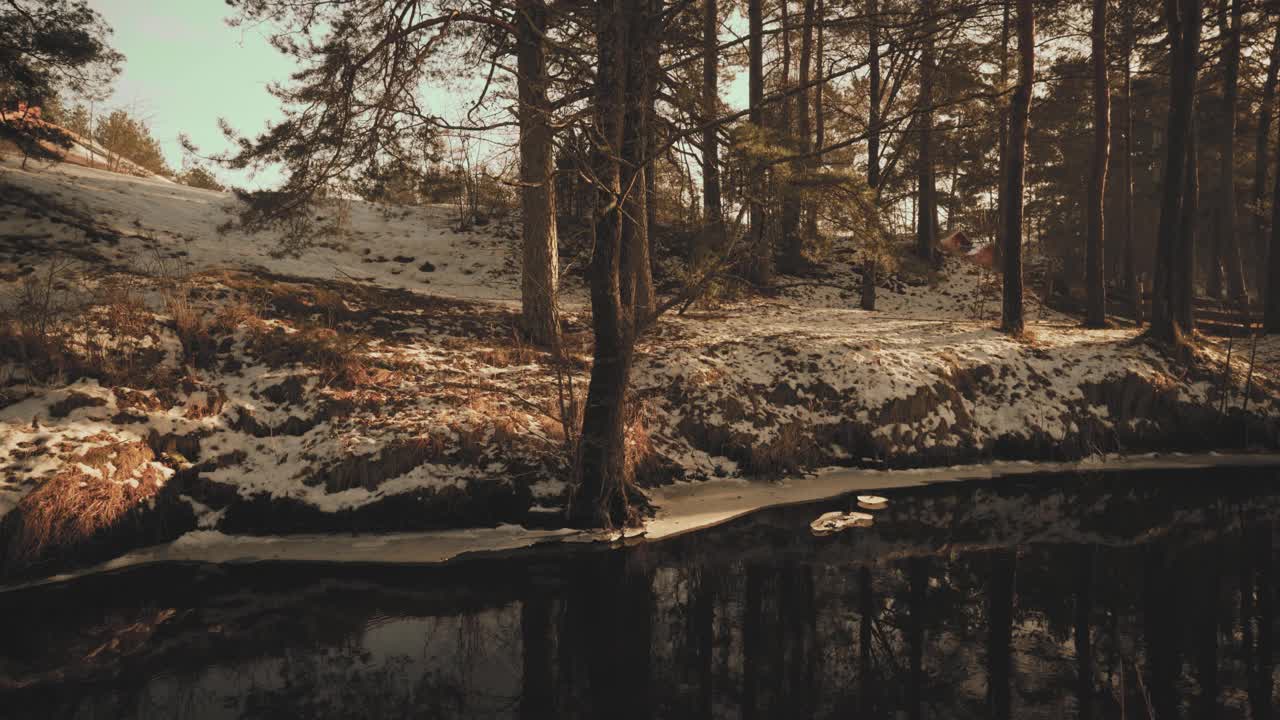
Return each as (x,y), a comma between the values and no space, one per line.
(1134,595)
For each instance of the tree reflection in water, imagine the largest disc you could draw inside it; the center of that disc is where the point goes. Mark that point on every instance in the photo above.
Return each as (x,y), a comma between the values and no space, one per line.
(1072,596)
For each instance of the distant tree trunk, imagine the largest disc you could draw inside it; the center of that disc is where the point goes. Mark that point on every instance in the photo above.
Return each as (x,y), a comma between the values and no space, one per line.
(1011,317)
(601,493)
(540,267)
(870,265)
(760,267)
(1227,212)
(1172,282)
(819,90)
(713,237)
(784,119)
(1262,142)
(1130,260)
(792,258)
(927,216)
(1096,315)
(637,268)
(1186,258)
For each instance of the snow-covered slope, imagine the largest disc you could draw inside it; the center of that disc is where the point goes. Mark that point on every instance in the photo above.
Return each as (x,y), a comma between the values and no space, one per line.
(375,381)
(157,220)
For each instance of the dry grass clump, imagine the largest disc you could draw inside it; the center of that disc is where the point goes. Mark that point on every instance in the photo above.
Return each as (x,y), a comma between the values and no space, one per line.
(57,327)
(646,466)
(73,507)
(32,333)
(228,317)
(790,452)
(341,358)
(119,335)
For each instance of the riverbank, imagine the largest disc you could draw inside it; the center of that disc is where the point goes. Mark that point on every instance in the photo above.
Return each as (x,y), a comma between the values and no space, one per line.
(200,385)
(681,508)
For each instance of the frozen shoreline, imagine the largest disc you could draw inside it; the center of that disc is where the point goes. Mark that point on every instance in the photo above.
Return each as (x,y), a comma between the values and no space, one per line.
(682,508)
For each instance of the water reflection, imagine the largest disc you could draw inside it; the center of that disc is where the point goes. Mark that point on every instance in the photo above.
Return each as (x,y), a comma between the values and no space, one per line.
(1106,596)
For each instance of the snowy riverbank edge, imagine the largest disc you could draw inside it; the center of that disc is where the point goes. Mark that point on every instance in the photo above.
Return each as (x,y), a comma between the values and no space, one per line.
(681,508)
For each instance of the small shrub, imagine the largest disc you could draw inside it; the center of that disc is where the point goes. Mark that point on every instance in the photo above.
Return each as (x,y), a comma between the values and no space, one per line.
(198,344)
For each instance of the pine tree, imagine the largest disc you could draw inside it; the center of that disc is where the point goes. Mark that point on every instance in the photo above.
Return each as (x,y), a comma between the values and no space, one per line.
(49,47)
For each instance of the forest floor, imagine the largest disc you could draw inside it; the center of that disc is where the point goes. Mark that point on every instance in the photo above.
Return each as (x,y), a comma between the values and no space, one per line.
(162,379)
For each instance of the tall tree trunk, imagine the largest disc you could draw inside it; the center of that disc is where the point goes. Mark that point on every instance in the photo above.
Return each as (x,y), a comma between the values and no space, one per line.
(1130,259)
(637,268)
(1227,235)
(1264,562)
(1003,110)
(819,119)
(790,211)
(927,216)
(617,596)
(712,211)
(601,492)
(1272,317)
(653,58)
(701,638)
(537,684)
(760,266)
(918,580)
(1248,637)
(753,645)
(1161,629)
(866,600)
(1206,630)
(1011,317)
(539,277)
(1096,315)
(1171,283)
(1083,637)
(1261,146)
(1000,591)
(870,266)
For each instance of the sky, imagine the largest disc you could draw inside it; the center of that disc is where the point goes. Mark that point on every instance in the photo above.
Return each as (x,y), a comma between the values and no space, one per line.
(185,68)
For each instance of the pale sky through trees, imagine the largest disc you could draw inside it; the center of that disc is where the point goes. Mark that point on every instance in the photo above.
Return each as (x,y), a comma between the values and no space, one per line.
(186,68)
